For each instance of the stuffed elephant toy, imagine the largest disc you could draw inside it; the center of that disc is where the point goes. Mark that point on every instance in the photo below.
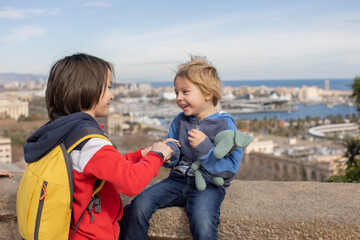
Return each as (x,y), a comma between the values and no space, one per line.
(225,142)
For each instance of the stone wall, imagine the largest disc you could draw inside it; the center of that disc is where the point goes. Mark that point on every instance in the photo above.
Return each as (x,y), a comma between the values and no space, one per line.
(251,210)
(8,225)
(260,166)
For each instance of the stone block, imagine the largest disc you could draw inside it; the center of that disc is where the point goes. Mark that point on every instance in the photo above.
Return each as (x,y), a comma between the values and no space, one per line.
(251,210)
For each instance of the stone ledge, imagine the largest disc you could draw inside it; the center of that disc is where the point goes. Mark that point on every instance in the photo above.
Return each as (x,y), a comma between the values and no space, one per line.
(251,210)
(8,224)
(275,210)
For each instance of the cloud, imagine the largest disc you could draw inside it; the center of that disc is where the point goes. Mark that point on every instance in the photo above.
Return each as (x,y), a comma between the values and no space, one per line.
(244,53)
(100,3)
(11,13)
(24,33)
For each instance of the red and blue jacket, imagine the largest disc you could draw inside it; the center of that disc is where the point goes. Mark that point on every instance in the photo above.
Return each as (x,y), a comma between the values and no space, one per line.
(95,159)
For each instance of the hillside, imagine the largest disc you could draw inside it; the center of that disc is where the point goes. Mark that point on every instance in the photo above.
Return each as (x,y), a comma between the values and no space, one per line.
(18,77)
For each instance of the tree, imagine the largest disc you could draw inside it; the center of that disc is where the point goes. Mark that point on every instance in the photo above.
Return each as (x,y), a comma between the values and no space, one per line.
(352,170)
(352,145)
(356,92)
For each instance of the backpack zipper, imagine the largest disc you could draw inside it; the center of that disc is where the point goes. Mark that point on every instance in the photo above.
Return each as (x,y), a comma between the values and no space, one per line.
(40,208)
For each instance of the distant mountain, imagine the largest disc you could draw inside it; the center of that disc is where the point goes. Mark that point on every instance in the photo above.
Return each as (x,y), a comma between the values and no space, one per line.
(17,77)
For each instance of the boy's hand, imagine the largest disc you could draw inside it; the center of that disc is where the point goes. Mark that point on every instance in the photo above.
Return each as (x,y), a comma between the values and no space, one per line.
(195,137)
(172,140)
(145,151)
(163,148)
(6,173)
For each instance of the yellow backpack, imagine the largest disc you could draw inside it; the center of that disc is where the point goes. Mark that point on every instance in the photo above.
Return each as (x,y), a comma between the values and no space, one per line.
(45,193)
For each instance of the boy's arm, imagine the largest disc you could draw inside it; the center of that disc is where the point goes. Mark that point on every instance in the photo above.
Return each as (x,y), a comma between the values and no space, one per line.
(134,157)
(230,164)
(175,156)
(173,134)
(104,162)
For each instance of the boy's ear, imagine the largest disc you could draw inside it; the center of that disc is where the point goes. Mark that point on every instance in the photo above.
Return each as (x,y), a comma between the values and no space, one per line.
(209,96)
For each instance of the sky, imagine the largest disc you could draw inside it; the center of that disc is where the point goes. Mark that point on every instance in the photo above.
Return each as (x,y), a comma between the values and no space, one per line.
(146,40)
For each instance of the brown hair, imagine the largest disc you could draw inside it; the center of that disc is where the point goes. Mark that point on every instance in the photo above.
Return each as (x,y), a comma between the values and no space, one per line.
(75,84)
(203,74)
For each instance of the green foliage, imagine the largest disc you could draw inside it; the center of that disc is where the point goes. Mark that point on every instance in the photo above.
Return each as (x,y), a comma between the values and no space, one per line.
(295,127)
(356,92)
(303,172)
(352,145)
(351,173)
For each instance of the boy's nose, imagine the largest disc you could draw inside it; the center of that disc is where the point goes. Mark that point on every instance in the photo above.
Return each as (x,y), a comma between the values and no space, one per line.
(179,97)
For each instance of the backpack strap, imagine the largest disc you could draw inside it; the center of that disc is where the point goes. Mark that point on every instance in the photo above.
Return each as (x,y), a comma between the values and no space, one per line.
(95,201)
(72,142)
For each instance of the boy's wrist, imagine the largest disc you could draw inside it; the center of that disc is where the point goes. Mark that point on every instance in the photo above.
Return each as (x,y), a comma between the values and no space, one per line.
(159,153)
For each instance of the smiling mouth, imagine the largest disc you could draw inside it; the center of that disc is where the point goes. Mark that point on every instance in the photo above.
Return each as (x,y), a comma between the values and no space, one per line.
(184,106)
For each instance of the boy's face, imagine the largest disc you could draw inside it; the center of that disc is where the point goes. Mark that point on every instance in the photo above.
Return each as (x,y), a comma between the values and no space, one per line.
(101,108)
(191,100)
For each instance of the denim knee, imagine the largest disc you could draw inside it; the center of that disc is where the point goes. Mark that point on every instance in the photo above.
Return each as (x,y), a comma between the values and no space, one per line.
(203,225)
(140,207)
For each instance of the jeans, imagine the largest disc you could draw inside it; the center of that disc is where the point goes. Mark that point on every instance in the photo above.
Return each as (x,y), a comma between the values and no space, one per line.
(201,207)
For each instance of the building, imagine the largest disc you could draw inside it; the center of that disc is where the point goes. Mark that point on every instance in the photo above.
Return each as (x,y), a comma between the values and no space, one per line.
(264,146)
(329,130)
(14,109)
(168,95)
(116,122)
(327,85)
(277,158)
(309,94)
(5,150)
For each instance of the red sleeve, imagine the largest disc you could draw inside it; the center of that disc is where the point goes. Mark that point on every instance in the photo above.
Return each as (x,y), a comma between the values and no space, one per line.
(134,157)
(130,174)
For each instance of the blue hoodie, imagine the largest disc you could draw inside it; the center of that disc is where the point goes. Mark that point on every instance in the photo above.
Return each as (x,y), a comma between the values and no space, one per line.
(53,133)
(182,157)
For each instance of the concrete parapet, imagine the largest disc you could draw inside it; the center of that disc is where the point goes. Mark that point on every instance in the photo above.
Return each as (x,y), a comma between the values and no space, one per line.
(8,224)
(251,210)
(276,210)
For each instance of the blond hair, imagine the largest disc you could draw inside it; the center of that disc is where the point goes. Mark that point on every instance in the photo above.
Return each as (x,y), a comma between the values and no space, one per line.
(203,74)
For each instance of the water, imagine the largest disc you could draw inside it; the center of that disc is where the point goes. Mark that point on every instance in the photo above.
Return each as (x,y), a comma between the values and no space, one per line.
(303,110)
(335,84)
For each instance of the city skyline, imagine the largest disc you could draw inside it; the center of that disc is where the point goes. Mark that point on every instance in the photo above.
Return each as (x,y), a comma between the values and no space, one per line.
(146,40)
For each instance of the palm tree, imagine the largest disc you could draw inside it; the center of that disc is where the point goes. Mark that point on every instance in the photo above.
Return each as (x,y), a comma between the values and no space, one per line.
(356,92)
(351,173)
(352,145)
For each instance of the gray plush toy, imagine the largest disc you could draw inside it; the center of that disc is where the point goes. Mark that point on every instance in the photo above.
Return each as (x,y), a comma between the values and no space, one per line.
(225,142)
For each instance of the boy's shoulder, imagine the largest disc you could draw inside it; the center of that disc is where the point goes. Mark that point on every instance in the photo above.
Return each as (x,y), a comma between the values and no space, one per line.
(228,118)
(223,114)
(218,115)
(181,117)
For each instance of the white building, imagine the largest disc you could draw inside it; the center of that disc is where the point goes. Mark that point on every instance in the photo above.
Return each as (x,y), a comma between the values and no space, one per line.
(167,95)
(5,150)
(327,85)
(307,94)
(341,130)
(266,147)
(14,109)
